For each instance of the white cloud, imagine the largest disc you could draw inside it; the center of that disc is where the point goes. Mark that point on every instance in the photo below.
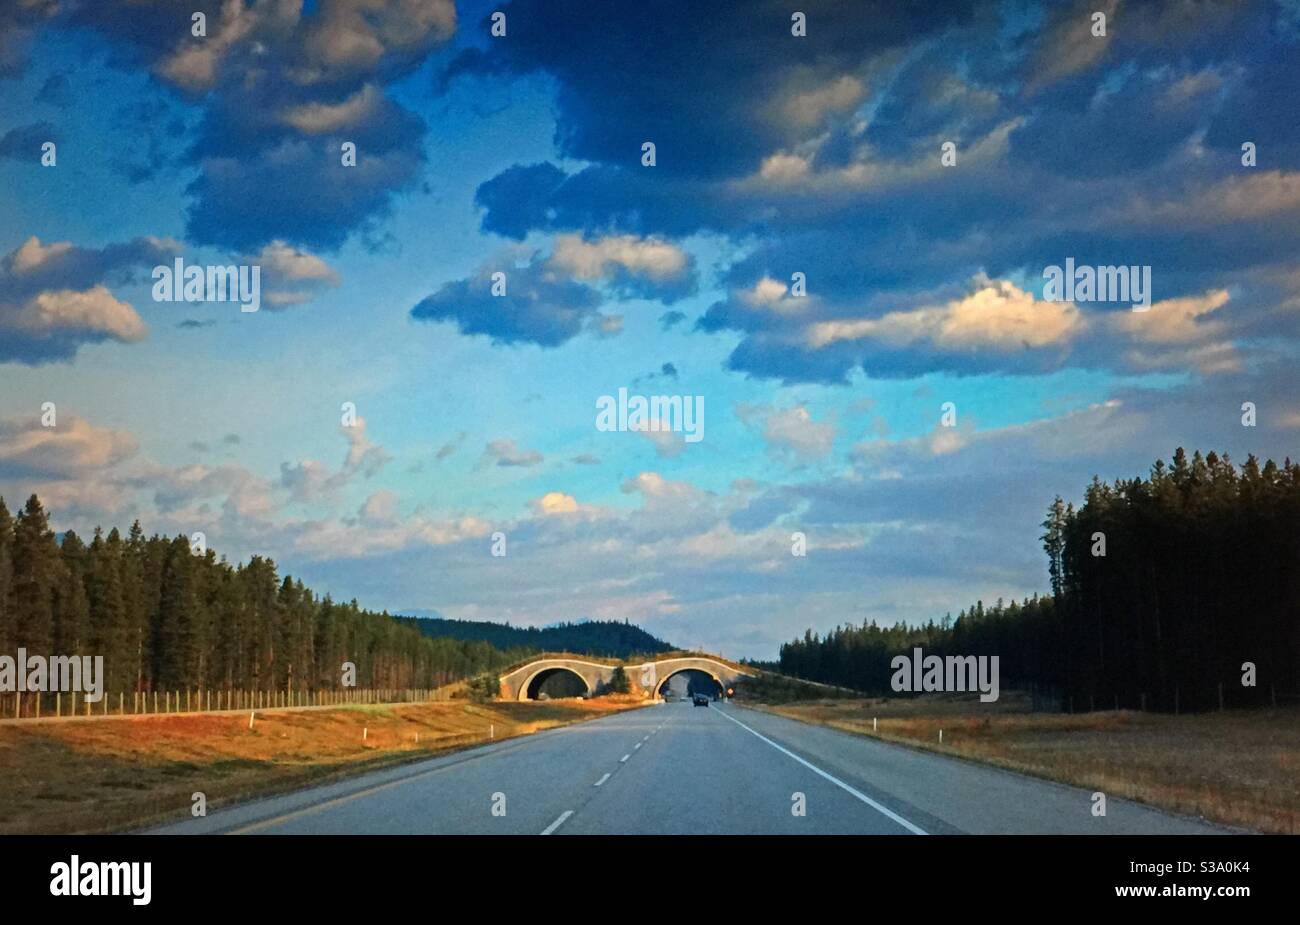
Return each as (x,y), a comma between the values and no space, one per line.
(809,107)
(89,315)
(323,118)
(998,315)
(32,255)
(554,502)
(73,449)
(593,260)
(295,264)
(790,430)
(773,295)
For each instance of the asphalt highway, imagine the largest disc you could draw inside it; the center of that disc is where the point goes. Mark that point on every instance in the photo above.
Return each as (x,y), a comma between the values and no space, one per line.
(679,769)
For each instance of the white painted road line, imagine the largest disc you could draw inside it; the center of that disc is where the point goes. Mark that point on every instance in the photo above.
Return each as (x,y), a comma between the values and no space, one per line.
(915,830)
(624,758)
(637,745)
(558,822)
(602,780)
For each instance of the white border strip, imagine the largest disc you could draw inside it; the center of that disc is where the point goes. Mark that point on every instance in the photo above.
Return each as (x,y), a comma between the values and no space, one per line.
(915,830)
(558,822)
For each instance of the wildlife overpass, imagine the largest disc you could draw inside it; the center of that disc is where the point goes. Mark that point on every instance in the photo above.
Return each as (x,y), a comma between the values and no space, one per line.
(524,682)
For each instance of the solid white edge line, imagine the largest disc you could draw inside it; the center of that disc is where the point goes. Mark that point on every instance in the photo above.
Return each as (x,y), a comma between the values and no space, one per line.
(558,822)
(915,830)
(602,780)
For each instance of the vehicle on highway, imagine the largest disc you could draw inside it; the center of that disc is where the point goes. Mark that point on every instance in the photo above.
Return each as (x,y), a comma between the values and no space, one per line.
(700,700)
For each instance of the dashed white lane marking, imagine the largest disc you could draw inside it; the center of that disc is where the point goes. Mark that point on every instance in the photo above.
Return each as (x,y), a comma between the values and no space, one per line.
(602,780)
(637,745)
(558,822)
(624,758)
(915,830)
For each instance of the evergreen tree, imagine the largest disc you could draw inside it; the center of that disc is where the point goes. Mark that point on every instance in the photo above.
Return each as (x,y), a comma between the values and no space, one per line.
(164,618)
(37,570)
(618,681)
(71,606)
(1162,589)
(8,624)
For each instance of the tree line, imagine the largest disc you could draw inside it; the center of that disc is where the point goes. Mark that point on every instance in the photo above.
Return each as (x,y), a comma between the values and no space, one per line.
(1176,592)
(165,618)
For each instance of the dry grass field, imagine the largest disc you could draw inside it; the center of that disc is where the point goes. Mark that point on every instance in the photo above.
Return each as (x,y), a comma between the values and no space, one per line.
(1239,767)
(110,775)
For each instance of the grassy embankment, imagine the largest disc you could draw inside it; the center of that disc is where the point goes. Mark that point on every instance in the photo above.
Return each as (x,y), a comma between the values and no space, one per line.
(110,775)
(1238,767)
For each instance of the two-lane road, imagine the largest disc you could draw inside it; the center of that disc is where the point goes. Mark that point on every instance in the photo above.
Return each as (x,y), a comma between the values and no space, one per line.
(679,769)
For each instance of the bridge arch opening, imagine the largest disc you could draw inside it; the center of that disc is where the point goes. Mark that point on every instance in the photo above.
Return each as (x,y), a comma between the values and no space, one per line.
(685,682)
(555,683)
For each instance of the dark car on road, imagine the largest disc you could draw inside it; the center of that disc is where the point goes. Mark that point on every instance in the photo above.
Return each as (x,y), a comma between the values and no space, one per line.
(700,700)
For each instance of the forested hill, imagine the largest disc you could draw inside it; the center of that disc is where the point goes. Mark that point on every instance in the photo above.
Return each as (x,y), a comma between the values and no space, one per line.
(595,637)
(1177,592)
(166,618)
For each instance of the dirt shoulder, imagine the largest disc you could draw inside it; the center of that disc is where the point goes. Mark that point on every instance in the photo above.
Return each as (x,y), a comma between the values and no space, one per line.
(87,776)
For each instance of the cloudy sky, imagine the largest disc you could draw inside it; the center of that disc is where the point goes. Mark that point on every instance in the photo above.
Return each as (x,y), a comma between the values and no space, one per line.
(522,154)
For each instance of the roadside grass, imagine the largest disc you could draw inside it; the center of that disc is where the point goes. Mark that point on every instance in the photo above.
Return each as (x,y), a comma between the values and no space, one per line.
(102,776)
(1236,767)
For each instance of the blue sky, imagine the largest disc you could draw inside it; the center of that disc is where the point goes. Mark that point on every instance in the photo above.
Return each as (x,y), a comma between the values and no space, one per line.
(775,154)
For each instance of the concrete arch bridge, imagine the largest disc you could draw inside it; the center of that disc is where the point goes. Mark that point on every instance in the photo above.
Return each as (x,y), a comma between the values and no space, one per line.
(646,677)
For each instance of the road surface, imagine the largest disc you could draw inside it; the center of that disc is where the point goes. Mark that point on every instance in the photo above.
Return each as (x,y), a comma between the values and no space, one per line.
(679,769)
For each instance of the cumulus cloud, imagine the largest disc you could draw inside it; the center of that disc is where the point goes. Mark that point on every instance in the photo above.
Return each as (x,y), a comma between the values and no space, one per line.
(790,431)
(278,83)
(73,449)
(998,316)
(292,275)
(555,502)
(830,165)
(625,261)
(53,299)
(549,300)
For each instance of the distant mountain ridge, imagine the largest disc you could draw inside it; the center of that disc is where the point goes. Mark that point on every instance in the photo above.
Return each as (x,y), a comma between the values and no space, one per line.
(608,638)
